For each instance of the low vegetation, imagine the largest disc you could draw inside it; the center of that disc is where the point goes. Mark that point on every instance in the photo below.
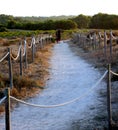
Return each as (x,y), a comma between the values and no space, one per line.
(34,77)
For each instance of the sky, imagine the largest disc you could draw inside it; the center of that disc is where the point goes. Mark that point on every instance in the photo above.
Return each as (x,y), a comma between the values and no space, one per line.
(57,7)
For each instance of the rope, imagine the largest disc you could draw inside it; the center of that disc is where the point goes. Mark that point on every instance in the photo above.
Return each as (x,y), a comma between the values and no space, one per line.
(4,57)
(62,104)
(2,100)
(113,36)
(91,37)
(114,73)
(100,36)
(37,39)
(41,41)
(32,42)
(106,37)
(30,46)
(15,58)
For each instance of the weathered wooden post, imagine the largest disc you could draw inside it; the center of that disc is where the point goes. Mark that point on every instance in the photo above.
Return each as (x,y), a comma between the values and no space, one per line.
(109,109)
(78,37)
(50,38)
(10,69)
(105,45)
(91,41)
(84,38)
(110,46)
(94,38)
(41,46)
(46,40)
(7,109)
(32,52)
(34,42)
(99,42)
(21,72)
(25,44)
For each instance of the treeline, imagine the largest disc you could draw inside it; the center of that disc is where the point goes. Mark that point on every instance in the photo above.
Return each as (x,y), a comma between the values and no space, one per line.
(104,21)
(98,21)
(10,22)
(47,25)
(42,19)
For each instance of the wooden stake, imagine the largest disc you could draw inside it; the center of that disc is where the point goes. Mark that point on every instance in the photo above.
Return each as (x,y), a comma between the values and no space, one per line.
(109,98)
(7,109)
(10,69)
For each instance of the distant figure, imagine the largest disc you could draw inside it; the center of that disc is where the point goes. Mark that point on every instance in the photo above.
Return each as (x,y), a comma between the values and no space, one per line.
(58,35)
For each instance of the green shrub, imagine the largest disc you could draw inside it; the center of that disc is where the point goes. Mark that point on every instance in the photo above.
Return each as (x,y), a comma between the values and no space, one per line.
(3,29)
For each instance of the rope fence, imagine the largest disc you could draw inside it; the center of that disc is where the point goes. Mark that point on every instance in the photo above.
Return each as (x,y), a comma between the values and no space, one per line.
(4,57)
(62,104)
(108,72)
(30,46)
(22,53)
(18,54)
(104,41)
(116,74)
(2,100)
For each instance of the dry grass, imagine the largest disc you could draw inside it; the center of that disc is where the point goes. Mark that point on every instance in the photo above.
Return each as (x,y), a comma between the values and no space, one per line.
(34,77)
(8,42)
(2,108)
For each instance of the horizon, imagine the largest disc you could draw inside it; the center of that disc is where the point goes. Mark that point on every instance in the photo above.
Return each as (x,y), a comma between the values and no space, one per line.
(58,15)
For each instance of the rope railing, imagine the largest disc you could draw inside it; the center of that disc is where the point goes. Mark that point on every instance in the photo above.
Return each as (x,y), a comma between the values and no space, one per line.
(32,42)
(113,36)
(15,58)
(107,38)
(4,57)
(22,53)
(62,104)
(100,36)
(2,100)
(30,46)
(114,73)
(37,39)
(104,42)
(8,97)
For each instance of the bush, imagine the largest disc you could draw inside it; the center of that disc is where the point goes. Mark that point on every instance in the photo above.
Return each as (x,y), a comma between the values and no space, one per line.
(3,29)
(24,82)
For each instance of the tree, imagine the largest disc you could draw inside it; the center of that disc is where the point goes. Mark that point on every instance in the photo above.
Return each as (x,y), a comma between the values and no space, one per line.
(82,21)
(65,24)
(5,18)
(11,24)
(49,25)
(104,21)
